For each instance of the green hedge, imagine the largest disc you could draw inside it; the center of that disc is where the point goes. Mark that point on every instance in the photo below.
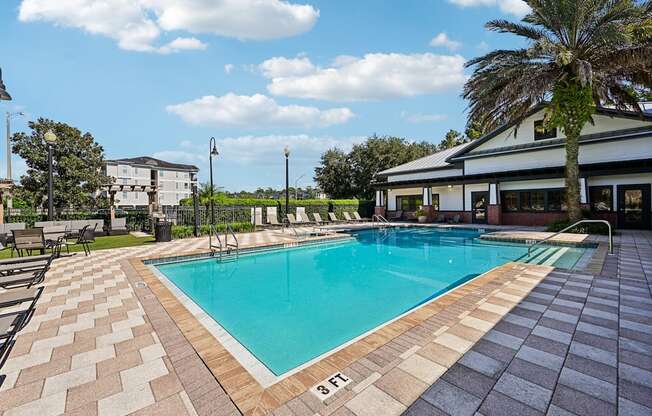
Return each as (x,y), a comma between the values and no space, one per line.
(188,231)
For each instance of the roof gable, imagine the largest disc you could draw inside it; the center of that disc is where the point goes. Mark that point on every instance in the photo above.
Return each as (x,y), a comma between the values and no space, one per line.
(153,162)
(437,160)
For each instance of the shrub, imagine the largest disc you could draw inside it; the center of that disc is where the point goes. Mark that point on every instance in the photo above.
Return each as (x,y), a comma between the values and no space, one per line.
(590,228)
(187,231)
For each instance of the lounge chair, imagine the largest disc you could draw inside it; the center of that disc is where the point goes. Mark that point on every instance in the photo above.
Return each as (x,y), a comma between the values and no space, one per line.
(25,264)
(394,215)
(440,218)
(318,219)
(29,278)
(10,324)
(347,217)
(273,221)
(118,226)
(18,296)
(292,219)
(28,240)
(304,218)
(333,217)
(356,215)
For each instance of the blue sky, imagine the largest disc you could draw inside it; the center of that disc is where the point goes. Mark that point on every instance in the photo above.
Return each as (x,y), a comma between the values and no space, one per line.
(160,77)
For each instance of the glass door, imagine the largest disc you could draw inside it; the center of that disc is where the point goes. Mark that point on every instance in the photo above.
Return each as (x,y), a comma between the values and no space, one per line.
(479,201)
(634,206)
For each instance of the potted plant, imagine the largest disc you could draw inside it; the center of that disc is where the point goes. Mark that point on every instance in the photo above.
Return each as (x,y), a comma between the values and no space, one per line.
(421,215)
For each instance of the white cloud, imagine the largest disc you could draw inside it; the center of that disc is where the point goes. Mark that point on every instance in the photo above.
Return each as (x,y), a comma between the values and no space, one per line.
(285,67)
(138,25)
(516,7)
(374,76)
(442,39)
(228,68)
(255,111)
(423,118)
(182,44)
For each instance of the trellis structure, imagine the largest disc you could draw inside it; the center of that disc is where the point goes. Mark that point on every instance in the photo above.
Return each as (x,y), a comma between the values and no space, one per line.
(151,191)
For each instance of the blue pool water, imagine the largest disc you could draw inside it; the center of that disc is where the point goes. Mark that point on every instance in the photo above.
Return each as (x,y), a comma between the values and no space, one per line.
(290,306)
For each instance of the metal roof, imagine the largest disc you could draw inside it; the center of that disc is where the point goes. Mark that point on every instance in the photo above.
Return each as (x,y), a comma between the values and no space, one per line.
(150,161)
(434,161)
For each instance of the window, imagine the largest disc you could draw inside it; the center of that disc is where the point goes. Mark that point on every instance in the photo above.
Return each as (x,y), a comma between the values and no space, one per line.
(408,202)
(135,171)
(601,198)
(160,174)
(540,200)
(125,195)
(556,200)
(435,202)
(510,201)
(185,185)
(533,201)
(125,170)
(541,133)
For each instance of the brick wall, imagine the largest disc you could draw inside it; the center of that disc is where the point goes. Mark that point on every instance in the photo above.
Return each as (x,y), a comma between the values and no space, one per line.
(531,218)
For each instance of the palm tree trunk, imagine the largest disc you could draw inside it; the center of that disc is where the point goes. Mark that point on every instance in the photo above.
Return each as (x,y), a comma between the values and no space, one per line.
(573,171)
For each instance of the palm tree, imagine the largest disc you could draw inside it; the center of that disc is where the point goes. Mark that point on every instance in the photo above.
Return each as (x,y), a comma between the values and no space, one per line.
(580,54)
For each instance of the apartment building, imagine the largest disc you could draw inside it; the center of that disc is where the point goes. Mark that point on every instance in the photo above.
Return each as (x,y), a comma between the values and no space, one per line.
(173,181)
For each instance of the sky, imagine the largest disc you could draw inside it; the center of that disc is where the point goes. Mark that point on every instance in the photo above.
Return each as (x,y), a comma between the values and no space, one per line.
(160,77)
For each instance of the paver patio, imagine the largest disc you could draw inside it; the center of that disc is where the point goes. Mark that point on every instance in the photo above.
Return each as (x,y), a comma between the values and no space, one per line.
(527,340)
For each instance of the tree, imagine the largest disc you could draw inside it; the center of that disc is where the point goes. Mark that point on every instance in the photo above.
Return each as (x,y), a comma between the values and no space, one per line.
(334,174)
(581,53)
(452,139)
(474,130)
(77,165)
(342,175)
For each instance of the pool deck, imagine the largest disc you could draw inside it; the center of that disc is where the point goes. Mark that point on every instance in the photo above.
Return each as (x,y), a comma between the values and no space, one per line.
(109,338)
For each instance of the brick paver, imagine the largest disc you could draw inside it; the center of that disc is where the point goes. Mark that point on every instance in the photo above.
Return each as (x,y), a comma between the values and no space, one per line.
(578,344)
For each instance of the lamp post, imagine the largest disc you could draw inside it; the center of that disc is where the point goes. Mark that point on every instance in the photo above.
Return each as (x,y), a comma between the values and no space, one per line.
(286,152)
(9,116)
(50,139)
(213,152)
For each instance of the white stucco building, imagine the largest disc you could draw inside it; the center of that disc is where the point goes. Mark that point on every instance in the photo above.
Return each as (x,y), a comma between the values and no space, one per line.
(515,174)
(172,181)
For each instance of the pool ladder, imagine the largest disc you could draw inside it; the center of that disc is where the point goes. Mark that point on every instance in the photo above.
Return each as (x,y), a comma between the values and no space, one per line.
(382,221)
(223,249)
(611,237)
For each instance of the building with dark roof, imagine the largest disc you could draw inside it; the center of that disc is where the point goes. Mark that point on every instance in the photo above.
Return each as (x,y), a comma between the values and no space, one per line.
(172,181)
(515,174)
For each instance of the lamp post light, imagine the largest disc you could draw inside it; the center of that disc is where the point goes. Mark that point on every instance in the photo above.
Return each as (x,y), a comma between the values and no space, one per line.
(212,152)
(50,139)
(286,152)
(4,95)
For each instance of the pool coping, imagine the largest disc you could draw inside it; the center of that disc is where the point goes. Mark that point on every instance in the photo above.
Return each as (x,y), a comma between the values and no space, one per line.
(252,398)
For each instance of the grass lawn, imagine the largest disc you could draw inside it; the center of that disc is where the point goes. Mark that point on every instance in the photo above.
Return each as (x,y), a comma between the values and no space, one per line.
(101,243)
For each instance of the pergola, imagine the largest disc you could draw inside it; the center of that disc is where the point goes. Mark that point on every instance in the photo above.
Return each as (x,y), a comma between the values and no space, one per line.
(114,188)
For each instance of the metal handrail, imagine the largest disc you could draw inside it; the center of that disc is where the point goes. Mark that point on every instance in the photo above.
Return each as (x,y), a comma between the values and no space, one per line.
(213,232)
(611,237)
(380,219)
(228,230)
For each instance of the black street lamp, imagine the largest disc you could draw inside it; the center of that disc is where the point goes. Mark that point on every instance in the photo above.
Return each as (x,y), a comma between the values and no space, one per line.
(286,152)
(213,152)
(50,139)
(4,95)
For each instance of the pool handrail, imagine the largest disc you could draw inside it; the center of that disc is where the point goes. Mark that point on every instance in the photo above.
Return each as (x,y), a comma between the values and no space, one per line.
(213,232)
(229,230)
(611,237)
(380,218)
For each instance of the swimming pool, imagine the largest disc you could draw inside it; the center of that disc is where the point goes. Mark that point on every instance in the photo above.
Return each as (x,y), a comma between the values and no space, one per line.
(289,306)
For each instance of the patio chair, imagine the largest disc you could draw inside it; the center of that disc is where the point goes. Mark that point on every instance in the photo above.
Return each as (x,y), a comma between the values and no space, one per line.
(84,237)
(394,215)
(54,236)
(440,218)
(356,215)
(333,217)
(118,226)
(272,221)
(28,240)
(292,219)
